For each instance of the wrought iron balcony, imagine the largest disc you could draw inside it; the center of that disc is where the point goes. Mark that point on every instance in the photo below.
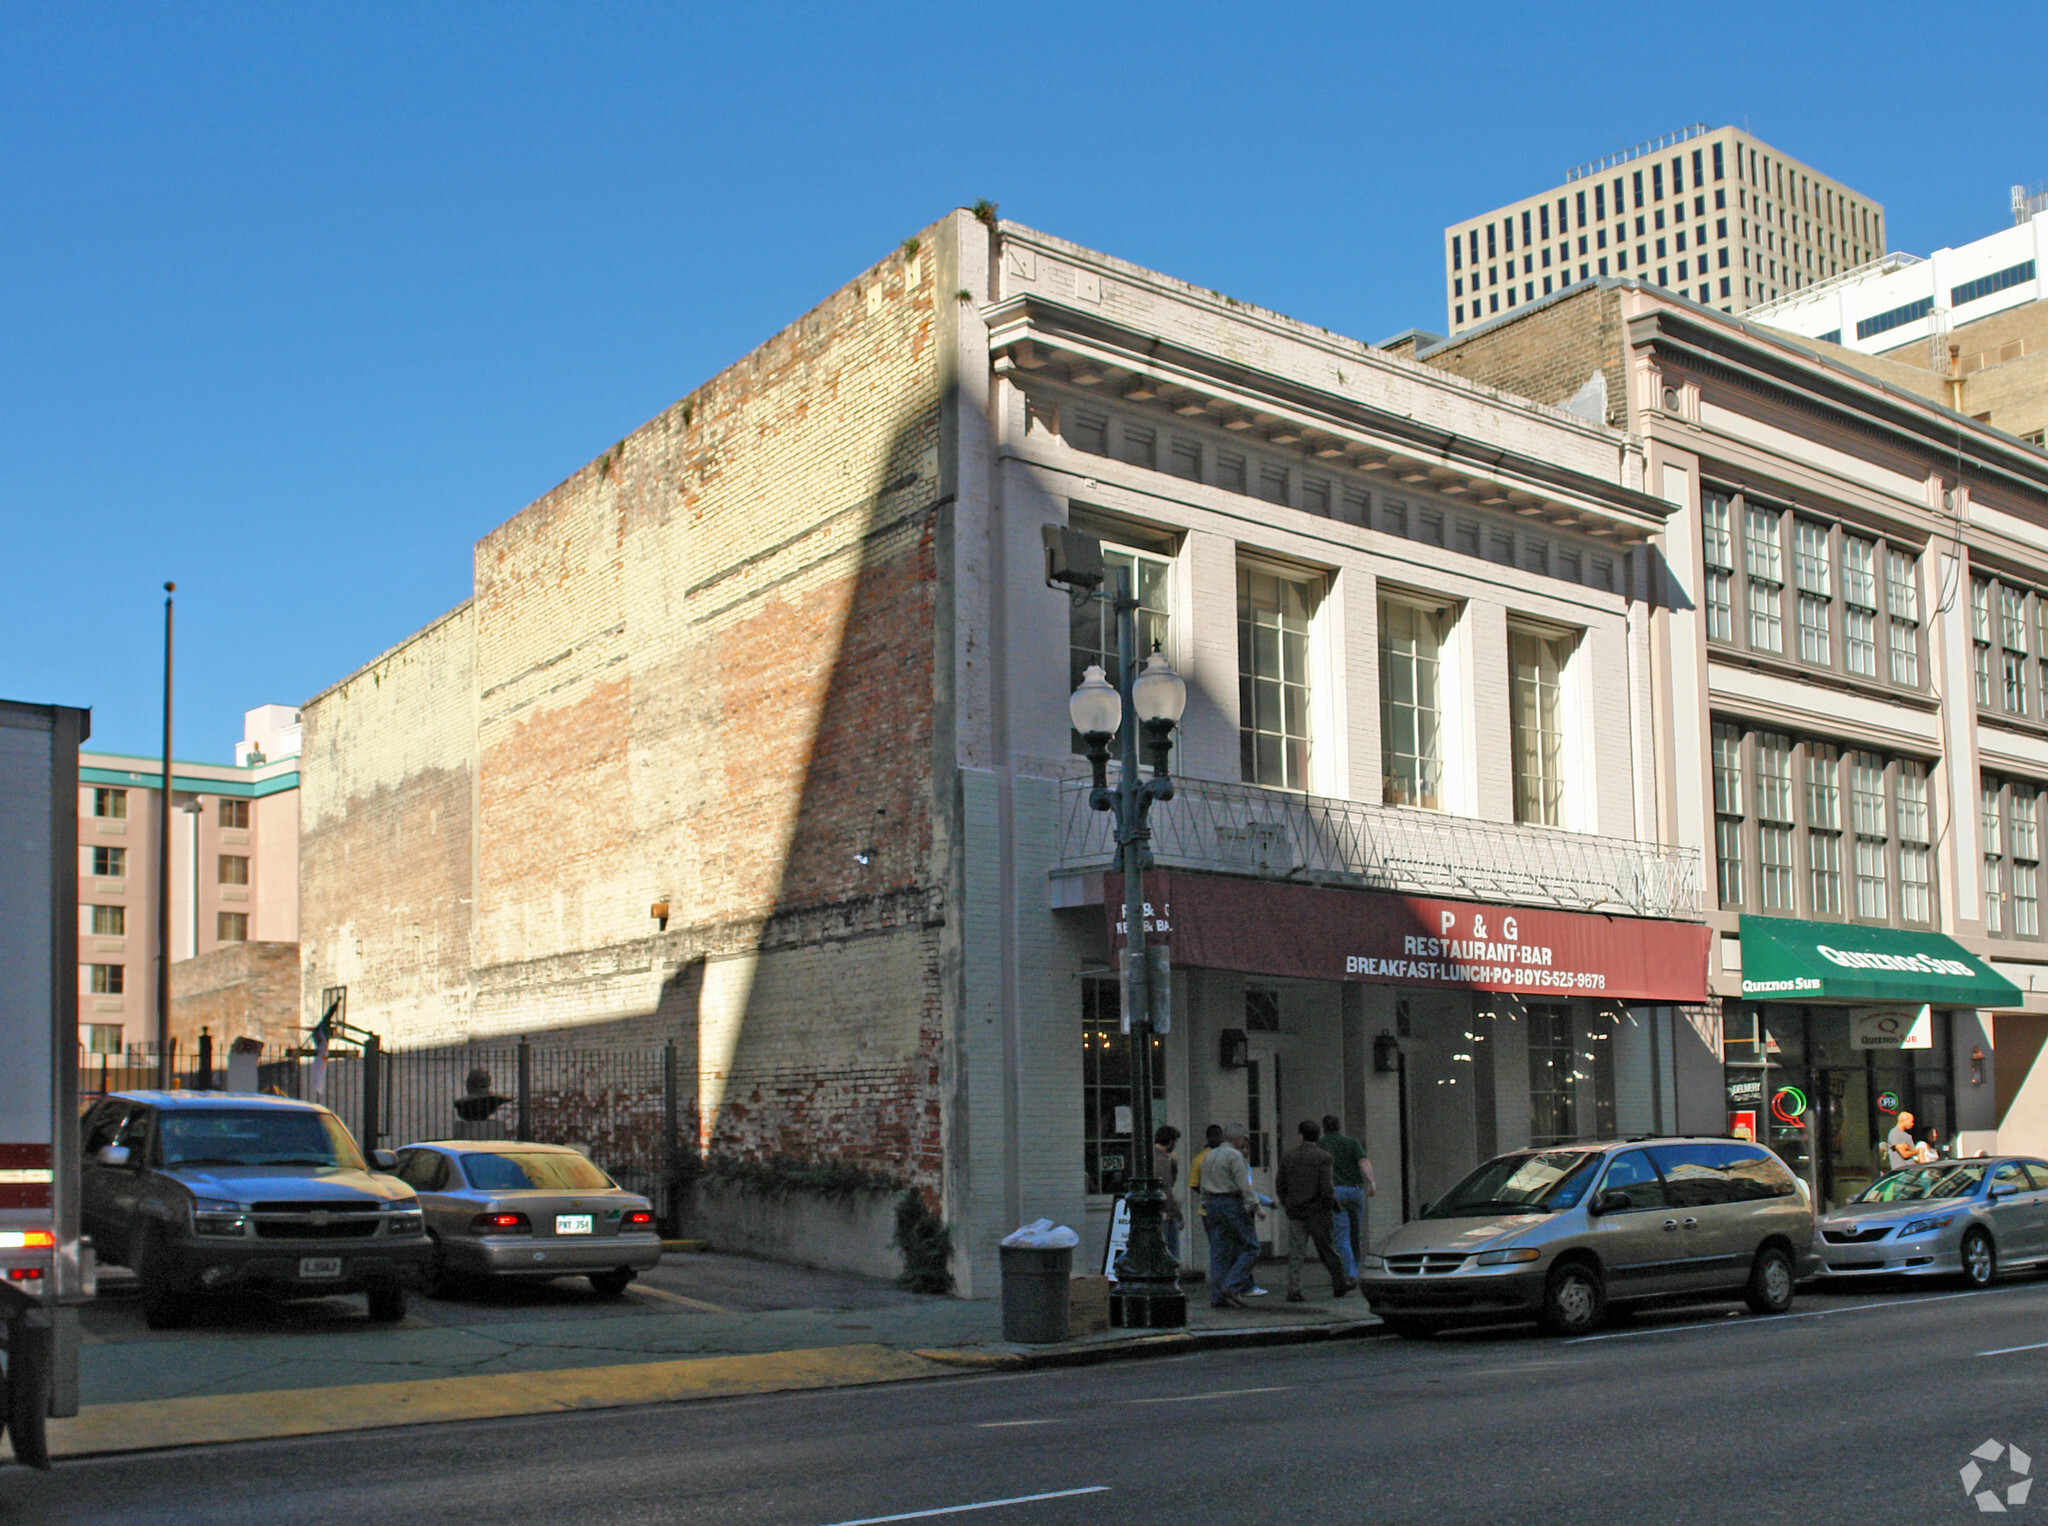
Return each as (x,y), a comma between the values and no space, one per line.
(1244,829)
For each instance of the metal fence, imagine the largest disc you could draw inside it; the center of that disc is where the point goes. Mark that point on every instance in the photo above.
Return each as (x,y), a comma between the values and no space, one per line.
(1243,829)
(622,1106)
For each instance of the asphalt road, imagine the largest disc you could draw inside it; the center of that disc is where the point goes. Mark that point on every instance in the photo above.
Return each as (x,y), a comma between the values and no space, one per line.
(1855,1409)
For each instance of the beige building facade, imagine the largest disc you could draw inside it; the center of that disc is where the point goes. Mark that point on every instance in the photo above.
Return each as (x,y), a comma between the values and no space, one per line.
(1853,730)
(1715,215)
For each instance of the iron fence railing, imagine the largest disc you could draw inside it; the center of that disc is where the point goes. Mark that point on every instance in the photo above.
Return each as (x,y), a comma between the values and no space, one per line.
(625,1107)
(1243,829)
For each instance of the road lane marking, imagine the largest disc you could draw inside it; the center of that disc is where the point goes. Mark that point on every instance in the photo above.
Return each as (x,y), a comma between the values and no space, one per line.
(996,1425)
(689,1303)
(1753,1320)
(1221,1393)
(2009,1350)
(1020,1499)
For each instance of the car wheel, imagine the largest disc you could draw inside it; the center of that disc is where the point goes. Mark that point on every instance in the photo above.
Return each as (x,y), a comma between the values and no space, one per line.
(1572,1301)
(165,1305)
(1771,1284)
(1410,1326)
(612,1283)
(1980,1259)
(387,1303)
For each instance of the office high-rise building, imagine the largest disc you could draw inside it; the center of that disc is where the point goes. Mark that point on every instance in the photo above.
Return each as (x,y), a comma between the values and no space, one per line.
(1711,213)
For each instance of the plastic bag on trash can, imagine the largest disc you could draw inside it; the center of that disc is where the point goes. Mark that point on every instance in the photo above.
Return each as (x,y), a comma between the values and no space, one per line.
(1041,1234)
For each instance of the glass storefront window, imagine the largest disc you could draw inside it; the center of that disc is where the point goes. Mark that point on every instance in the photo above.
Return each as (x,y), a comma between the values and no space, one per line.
(1107,1146)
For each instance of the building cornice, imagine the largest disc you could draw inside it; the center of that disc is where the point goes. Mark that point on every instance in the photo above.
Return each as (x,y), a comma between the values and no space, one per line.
(1032,337)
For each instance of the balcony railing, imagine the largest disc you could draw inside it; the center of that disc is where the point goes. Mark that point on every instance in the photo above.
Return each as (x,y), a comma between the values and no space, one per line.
(1243,829)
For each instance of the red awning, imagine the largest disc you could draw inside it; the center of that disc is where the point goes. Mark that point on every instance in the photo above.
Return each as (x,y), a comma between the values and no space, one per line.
(1262,927)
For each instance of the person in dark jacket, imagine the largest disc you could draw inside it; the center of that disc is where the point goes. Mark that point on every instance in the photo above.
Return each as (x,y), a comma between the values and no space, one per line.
(1307,1192)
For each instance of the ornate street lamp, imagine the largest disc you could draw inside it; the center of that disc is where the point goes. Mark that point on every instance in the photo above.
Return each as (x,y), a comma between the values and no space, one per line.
(1146,1294)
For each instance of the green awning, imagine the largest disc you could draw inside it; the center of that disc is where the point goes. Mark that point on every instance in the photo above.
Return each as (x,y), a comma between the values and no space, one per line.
(1788,960)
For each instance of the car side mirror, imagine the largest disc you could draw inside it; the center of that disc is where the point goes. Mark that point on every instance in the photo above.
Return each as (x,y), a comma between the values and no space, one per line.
(1613,1200)
(2001,1192)
(383,1160)
(111,1155)
(1422,1212)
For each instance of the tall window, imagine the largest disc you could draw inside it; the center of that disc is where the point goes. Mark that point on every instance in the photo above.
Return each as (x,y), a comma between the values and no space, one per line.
(1728,813)
(1980,638)
(1720,566)
(2012,643)
(1766,566)
(2025,846)
(1535,680)
(2012,857)
(235,813)
(1108,1148)
(1091,629)
(1823,829)
(1916,891)
(1994,858)
(1902,599)
(1273,613)
(106,979)
(110,921)
(109,863)
(1411,710)
(234,869)
(1775,871)
(1811,572)
(231,927)
(110,803)
(1867,812)
(102,1038)
(1859,605)
(1553,1075)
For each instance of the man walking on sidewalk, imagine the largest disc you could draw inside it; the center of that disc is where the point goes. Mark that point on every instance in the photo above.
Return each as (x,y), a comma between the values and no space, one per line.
(1229,1202)
(1307,1196)
(1353,1175)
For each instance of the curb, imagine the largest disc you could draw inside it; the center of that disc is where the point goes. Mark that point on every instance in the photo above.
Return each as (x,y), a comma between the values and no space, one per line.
(1168,1343)
(684,1245)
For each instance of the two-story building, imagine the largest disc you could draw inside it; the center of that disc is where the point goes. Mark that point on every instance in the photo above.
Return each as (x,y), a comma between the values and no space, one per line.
(753,737)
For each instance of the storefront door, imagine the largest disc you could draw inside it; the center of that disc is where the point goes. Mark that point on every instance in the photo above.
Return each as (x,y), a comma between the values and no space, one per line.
(1263,1115)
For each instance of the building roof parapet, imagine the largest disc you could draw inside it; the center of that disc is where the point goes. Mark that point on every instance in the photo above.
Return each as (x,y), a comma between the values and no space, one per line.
(1883,265)
(1654,145)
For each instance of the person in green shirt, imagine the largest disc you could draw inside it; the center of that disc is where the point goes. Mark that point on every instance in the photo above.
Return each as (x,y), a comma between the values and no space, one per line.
(1353,1174)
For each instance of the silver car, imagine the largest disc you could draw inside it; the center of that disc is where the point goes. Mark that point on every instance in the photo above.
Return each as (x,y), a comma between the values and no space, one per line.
(500,1208)
(1564,1234)
(1956,1218)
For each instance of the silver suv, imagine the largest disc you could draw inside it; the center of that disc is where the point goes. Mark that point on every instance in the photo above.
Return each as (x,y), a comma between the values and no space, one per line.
(1566,1233)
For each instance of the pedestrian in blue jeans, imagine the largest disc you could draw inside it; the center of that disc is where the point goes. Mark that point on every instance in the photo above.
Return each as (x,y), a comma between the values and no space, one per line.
(1229,1203)
(1353,1175)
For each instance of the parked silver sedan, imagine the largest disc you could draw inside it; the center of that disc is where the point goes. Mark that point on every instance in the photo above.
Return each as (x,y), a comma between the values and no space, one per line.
(1956,1218)
(500,1208)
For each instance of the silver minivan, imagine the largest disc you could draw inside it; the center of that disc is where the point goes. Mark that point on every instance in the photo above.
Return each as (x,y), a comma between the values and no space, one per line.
(1568,1232)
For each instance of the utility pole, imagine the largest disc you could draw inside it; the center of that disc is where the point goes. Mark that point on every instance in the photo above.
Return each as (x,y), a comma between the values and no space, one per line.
(163,875)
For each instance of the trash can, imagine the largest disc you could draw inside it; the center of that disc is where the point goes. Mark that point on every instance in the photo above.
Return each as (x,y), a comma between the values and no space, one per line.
(1035,1293)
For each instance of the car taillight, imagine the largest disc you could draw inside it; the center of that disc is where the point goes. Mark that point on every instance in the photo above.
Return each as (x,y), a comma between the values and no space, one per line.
(27,1239)
(638,1218)
(500,1223)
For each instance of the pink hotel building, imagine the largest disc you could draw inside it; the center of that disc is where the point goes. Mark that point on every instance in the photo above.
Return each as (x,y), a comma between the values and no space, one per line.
(234,843)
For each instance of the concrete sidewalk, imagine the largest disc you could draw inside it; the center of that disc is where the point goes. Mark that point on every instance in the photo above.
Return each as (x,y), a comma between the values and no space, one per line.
(697,1326)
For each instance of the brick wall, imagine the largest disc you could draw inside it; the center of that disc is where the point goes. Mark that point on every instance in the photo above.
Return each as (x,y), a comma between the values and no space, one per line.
(1548,353)
(245,990)
(699,672)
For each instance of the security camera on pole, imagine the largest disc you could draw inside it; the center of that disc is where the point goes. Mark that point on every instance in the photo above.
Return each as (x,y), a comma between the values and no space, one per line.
(1146,1295)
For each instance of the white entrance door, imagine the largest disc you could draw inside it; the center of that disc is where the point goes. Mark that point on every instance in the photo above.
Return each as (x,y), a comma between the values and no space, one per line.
(1263,1092)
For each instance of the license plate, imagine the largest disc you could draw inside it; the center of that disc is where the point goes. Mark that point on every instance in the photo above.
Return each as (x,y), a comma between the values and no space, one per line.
(573,1224)
(312,1267)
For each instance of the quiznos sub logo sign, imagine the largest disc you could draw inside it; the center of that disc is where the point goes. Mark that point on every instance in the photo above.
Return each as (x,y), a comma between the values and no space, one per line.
(1910,964)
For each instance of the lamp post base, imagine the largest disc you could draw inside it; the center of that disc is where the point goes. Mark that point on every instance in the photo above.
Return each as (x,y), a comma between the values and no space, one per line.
(1146,1306)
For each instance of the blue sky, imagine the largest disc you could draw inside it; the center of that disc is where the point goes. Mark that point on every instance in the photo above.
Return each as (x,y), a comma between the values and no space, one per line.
(300,300)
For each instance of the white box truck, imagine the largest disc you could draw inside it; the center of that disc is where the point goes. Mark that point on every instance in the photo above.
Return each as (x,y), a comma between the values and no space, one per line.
(45,1271)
